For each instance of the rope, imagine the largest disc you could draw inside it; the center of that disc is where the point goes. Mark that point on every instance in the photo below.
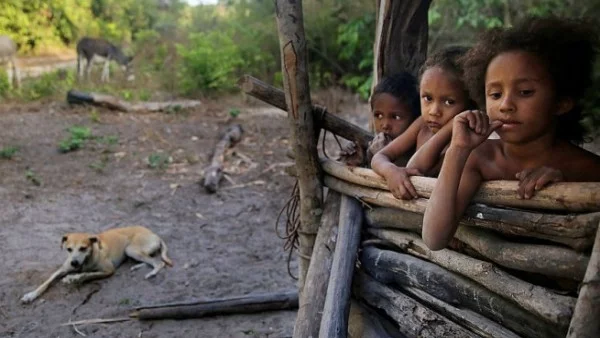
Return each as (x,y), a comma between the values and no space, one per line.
(292,224)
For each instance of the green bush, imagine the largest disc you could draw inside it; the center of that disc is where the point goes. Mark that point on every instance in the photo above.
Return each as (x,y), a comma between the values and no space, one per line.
(205,67)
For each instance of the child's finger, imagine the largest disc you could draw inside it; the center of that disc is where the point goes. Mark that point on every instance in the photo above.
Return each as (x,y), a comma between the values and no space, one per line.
(472,120)
(410,189)
(527,185)
(413,172)
(547,178)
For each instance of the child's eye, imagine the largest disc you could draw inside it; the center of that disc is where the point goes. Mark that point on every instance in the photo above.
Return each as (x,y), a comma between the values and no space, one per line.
(449,102)
(494,96)
(378,116)
(397,117)
(427,98)
(527,92)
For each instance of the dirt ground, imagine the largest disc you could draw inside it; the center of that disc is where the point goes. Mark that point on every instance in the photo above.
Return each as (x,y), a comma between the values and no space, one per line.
(223,244)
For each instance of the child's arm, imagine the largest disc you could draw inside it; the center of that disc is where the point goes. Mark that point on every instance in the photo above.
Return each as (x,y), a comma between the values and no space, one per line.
(458,181)
(383,162)
(428,155)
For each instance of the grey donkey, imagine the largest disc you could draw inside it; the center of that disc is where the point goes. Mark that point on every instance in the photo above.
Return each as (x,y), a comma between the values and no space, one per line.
(8,56)
(100,50)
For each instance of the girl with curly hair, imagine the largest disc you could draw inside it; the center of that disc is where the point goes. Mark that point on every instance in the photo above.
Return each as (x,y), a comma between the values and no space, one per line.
(531,79)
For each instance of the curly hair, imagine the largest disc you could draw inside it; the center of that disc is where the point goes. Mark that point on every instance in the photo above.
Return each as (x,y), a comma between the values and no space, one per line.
(403,86)
(567,47)
(448,59)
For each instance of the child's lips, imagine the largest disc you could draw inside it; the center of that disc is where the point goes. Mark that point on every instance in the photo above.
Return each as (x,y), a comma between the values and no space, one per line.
(508,125)
(433,125)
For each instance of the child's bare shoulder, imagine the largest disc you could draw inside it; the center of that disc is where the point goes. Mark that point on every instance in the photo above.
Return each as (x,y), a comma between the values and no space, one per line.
(577,163)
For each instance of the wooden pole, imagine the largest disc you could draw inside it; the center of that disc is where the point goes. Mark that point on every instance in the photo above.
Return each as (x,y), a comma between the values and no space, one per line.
(308,319)
(538,300)
(564,196)
(334,322)
(322,118)
(394,268)
(586,318)
(222,306)
(290,23)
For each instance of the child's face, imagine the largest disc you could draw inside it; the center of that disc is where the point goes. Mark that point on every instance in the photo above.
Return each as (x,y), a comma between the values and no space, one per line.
(520,93)
(391,115)
(442,97)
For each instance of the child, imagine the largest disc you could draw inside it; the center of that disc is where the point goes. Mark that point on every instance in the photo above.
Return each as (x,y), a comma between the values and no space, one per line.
(443,95)
(394,105)
(532,78)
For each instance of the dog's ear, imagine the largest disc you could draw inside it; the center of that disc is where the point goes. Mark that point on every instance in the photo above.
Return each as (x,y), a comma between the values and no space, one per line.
(95,239)
(62,243)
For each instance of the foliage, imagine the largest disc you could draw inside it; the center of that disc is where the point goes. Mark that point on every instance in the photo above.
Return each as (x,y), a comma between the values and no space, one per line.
(158,161)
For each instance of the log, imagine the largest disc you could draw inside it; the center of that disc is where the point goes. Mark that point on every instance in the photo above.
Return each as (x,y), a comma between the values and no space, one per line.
(544,259)
(114,103)
(290,24)
(334,322)
(391,267)
(563,196)
(214,172)
(365,322)
(538,300)
(586,318)
(465,317)
(322,118)
(308,319)
(413,319)
(566,229)
(222,306)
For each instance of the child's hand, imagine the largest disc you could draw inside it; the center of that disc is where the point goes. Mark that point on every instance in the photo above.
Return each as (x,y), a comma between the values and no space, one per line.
(531,180)
(470,128)
(400,185)
(379,142)
(352,155)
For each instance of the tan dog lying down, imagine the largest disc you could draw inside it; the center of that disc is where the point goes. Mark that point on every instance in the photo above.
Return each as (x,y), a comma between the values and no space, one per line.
(98,256)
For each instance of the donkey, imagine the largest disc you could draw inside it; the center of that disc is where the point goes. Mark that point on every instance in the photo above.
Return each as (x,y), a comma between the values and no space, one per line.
(99,50)
(8,56)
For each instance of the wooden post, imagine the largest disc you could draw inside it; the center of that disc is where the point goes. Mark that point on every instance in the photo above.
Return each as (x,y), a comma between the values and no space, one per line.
(317,278)
(586,317)
(337,302)
(303,135)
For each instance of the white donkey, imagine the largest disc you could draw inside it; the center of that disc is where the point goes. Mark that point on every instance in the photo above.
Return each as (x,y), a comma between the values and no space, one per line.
(100,50)
(8,56)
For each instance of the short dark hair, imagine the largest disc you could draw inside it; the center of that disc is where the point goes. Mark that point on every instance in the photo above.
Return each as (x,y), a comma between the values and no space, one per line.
(567,47)
(403,86)
(448,59)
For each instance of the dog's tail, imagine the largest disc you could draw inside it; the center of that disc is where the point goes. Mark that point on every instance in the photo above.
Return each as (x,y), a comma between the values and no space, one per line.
(163,253)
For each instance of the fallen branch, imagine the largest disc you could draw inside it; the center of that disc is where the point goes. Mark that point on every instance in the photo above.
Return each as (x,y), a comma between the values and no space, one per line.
(570,196)
(223,306)
(566,229)
(111,102)
(538,300)
(585,322)
(391,267)
(214,172)
(412,318)
(276,97)
(544,259)
(96,321)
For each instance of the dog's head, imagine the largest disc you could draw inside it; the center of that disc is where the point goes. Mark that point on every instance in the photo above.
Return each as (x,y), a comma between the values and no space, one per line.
(80,247)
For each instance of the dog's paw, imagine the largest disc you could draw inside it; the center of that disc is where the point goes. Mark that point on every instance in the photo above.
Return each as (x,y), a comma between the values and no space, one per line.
(70,279)
(29,297)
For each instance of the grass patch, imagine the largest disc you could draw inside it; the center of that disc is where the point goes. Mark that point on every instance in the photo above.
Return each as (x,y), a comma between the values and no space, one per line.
(158,161)
(8,152)
(78,135)
(32,177)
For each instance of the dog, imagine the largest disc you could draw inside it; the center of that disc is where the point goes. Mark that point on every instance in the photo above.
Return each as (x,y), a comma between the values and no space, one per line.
(98,256)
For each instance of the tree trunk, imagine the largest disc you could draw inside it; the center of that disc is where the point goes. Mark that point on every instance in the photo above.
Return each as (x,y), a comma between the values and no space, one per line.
(391,267)
(334,322)
(294,63)
(308,319)
(586,319)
